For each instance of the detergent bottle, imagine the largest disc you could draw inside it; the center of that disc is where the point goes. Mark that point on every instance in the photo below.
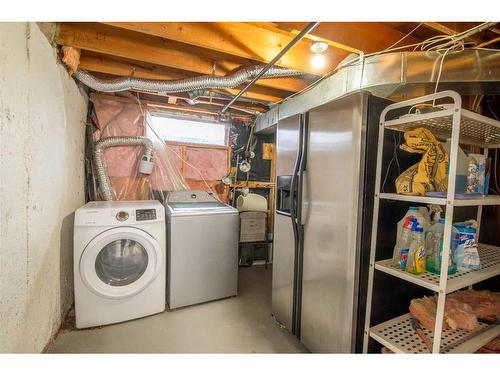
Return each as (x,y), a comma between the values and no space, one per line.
(415,216)
(416,252)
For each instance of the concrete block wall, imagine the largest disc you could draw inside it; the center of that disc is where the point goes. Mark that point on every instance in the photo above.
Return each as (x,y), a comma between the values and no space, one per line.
(42,127)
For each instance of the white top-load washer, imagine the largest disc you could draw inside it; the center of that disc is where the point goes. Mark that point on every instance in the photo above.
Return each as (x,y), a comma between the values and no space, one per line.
(202,248)
(119,261)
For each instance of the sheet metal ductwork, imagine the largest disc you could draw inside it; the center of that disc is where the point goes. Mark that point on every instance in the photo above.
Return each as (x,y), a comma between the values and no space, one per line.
(397,75)
(181,85)
(145,166)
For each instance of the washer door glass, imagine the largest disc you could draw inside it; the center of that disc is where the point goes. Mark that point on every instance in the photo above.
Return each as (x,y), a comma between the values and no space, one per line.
(121,262)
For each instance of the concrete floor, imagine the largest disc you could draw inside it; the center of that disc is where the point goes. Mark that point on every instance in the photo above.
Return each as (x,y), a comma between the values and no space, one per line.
(241,324)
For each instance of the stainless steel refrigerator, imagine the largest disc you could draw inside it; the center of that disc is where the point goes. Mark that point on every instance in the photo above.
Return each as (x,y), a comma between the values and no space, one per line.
(325,179)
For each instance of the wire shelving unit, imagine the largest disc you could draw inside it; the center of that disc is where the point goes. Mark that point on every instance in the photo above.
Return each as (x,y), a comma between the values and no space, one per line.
(464,127)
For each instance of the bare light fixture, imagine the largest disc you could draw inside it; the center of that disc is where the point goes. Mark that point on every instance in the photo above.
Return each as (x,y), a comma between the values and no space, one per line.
(318,48)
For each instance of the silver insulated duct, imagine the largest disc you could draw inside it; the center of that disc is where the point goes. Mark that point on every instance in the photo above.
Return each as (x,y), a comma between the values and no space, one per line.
(397,75)
(181,85)
(145,166)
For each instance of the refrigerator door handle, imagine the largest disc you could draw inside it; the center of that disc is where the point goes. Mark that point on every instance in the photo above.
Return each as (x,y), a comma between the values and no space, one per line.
(304,201)
(294,183)
(299,254)
(294,212)
(303,144)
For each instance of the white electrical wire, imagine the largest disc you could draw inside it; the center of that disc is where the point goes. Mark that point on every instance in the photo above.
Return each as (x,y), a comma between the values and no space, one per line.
(394,158)
(431,44)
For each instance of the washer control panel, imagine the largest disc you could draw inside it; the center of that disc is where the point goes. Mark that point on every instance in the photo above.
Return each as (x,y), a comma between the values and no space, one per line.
(190,196)
(148,214)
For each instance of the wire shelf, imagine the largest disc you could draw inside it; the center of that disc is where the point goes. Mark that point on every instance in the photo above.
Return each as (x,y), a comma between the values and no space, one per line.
(399,336)
(475,129)
(490,266)
(489,200)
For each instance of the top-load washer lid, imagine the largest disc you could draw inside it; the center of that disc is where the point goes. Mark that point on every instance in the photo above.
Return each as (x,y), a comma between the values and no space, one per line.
(196,202)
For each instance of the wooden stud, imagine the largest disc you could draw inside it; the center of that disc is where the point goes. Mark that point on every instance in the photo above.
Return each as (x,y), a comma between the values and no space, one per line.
(267,151)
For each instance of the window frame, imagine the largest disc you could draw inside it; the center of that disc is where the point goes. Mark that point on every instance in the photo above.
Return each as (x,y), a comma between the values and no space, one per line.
(193,119)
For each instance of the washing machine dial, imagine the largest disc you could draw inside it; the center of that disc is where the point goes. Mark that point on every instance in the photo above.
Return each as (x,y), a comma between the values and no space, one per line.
(122,216)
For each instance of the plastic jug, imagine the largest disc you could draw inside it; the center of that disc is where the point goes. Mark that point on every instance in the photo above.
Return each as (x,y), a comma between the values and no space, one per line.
(416,253)
(434,249)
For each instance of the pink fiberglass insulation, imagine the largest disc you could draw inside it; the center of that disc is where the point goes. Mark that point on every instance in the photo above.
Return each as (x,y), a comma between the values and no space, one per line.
(119,118)
(212,164)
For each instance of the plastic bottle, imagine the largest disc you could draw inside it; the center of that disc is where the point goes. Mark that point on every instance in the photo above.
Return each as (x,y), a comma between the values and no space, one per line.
(402,247)
(434,249)
(415,216)
(403,238)
(416,253)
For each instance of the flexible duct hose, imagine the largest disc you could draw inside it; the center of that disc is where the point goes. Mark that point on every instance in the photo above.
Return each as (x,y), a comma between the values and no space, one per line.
(145,166)
(181,85)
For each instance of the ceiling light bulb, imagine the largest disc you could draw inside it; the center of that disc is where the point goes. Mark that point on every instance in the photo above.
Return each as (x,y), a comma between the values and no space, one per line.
(319,47)
(318,61)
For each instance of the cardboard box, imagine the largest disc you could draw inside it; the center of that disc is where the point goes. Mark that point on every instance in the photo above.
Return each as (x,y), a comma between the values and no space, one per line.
(253,226)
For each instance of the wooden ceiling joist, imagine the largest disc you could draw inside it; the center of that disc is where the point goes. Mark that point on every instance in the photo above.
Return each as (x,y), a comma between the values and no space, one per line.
(154,50)
(364,36)
(238,39)
(159,104)
(441,28)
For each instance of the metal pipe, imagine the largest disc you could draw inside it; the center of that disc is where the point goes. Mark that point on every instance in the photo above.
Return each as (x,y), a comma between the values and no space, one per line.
(294,41)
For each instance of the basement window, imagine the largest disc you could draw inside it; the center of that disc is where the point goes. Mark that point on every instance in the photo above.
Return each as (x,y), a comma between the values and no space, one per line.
(189,131)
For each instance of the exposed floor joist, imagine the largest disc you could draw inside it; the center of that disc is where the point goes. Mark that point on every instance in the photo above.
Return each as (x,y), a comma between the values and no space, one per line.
(176,50)
(364,36)
(155,50)
(238,39)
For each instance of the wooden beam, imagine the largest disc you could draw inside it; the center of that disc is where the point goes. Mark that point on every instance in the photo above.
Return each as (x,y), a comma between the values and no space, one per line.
(443,29)
(95,62)
(331,43)
(254,184)
(364,36)
(238,39)
(206,101)
(488,42)
(440,28)
(157,104)
(154,50)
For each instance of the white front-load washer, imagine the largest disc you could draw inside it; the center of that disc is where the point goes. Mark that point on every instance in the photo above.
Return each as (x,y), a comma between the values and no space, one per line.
(119,261)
